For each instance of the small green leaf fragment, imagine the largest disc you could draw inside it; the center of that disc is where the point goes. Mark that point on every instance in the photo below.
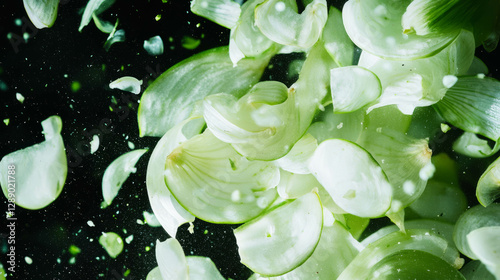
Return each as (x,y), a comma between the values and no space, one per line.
(112,243)
(190,43)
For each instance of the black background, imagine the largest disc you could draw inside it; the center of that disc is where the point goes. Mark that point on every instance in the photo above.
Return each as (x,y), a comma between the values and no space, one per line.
(37,70)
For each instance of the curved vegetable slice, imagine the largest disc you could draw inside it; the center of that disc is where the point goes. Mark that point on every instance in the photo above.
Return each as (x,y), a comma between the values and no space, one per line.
(263,124)
(352,177)
(335,250)
(413,264)
(215,184)
(154,45)
(335,39)
(426,17)
(112,243)
(414,239)
(94,7)
(472,146)
(42,13)
(116,36)
(201,268)
(154,274)
(375,26)
(283,238)
(476,270)
(222,12)
(280,22)
(474,218)
(246,40)
(170,98)
(405,160)
(473,105)
(171,260)
(297,160)
(443,229)
(117,172)
(169,212)
(40,170)
(417,83)
(353,87)
(127,83)
(488,186)
(485,244)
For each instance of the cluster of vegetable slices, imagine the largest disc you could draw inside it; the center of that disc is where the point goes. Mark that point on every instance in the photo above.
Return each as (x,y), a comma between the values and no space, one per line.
(305,167)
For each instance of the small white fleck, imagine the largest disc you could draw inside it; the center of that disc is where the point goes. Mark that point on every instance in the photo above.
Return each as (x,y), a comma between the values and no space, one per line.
(409,187)
(340,125)
(94,144)
(427,171)
(131,145)
(129,239)
(480,76)
(449,80)
(380,10)
(280,6)
(90,223)
(20,97)
(236,196)
(28,260)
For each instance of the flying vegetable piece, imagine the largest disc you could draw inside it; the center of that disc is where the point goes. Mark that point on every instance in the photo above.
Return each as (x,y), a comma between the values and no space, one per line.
(283,238)
(127,83)
(153,46)
(42,13)
(222,12)
(485,244)
(117,172)
(112,243)
(488,186)
(39,170)
(171,97)
(216,184)
(94,7)
(375,27)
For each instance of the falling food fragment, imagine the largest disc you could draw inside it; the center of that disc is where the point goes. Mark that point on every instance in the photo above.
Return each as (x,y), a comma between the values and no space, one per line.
(151,219)
(154,45)
(445,128)
(74,250)
(158,17)
(129,239)
(94,144)
(90,223)
(28,260)
(191,228)
(75,86)
(6,121)
(20,97)
(127,83)
(449,80)
(131,145)
(190,43)
(112,243)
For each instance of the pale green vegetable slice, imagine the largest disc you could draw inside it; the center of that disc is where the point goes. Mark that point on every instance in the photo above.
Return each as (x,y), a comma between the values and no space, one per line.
(263,124)
(105,26)
(335,250)
(117,36)
(201,268)
(154,274)
(112,243)
(280,22)
(405,160)
(222,12)
(473,105)
(169,212)
(94,7)
(335,39)
(283,238)
(413,239)
(443,229)
(127,83)
(216,184)
(470,145)
(117,172)
(352,177)
(42,13)
(166,102)
(426,17)
(417,83)
(297,160)
(94,144)
(375,26)
(153,45)
(476,270)
(246,40)
(485,244)
(353,87)
(413,264)
(171,260)
(151,219)
(474,218)
(488,186)
(36,174)
(3,274)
